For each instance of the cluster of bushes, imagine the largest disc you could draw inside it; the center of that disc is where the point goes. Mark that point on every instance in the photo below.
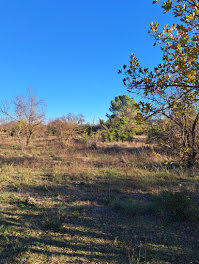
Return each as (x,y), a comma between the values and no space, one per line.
(117,130)
(24,119)
(177,135)
(175,206)
(122,124)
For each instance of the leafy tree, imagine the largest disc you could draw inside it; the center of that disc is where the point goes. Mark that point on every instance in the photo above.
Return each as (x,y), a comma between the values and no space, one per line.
(122,105)
(122,124)
(171,89)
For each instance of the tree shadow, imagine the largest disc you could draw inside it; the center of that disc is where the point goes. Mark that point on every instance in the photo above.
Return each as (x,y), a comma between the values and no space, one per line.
(83,226)
(16,161)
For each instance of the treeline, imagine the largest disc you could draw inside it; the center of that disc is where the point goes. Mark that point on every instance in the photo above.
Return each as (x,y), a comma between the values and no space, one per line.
(24,119)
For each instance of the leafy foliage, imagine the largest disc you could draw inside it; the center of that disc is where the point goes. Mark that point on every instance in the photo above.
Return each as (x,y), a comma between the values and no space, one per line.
(123,105)
(122,124)
(179,206)
(117,131)
(171,89)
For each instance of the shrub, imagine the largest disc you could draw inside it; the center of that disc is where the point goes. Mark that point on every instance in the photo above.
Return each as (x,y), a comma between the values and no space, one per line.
(117,130)
(179,206)
(66,128)
(131,207)
(51,131)
(51,222)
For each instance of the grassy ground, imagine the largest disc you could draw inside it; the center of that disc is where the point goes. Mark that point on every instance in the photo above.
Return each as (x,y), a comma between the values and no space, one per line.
(89,204)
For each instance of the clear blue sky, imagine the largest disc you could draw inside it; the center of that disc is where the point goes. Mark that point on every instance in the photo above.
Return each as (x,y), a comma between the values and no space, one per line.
(69,52)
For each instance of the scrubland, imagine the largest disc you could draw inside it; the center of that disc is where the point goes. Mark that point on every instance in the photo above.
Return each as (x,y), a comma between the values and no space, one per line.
(95,203)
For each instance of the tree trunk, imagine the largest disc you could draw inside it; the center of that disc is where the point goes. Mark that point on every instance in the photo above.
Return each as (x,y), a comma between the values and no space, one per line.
(191,159)
(28,138)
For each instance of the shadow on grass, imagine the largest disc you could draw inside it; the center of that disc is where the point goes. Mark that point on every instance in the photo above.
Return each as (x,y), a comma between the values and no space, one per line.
(15,161)
(67,242)
(84,229)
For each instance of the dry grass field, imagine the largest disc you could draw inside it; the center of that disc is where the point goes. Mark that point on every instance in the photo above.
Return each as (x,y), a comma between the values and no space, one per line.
(93,204)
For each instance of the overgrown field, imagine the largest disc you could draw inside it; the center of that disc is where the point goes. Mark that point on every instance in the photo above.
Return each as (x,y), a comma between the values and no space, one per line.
(108,203)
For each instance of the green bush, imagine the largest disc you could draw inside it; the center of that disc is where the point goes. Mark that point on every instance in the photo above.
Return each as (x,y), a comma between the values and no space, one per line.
(117,132)
(84,137)
(179,206)
(51,222)
(132,207)
(51,131)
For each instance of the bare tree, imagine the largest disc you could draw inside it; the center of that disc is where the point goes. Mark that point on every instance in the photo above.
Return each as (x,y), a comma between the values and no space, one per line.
(66,128)
(27,112)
